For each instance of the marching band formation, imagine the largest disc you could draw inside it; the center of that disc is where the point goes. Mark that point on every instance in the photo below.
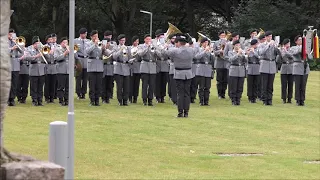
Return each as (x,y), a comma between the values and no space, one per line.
(171,61)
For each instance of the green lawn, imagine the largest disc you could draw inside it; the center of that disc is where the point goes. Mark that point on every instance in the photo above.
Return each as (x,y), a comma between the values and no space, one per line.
(138,142)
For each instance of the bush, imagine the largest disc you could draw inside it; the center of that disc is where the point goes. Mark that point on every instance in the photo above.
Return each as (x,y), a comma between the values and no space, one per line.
(314,64)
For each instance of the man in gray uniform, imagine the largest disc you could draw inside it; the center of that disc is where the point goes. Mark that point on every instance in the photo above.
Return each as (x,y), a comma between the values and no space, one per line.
(135,72)
(149,55)
(182,58)
(268,68)
(95,67)
(122,56)
(82,58)
(253,35)
(237,72)
(23,85)
(61,56)
(221,65)
(36,71)
(51,72)
(204,71)
(253,66)
(286,59)
(15,53)
(300,71)
(162,69)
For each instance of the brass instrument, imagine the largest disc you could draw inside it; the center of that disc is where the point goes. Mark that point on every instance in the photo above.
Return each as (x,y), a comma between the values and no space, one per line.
(20,41)
(45,49)
(228,35)
(42,47)
(261,31)
(134,51)
(201,36)
(171,30)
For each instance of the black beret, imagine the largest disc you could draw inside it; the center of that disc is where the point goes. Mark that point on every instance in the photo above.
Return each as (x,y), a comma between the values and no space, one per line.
(182,38)
(107,33)
(147,35)
(47,37)
(236,42)
(63,38)
(268,33)
(53,35)
(93,32)
(221,32)
(82,31)
(121,36)
(285,41)
(234,34)
(204,40)
(261,36)
(159,32)
(296,38)
(11,30)
(35,39)
(134,38)
(254,41)
(253,30)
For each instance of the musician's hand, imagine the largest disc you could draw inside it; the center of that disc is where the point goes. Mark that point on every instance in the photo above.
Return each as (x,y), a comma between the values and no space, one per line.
(14,47)
(96,41)
(51,51)
(240,51)
(66,52)
(103,46)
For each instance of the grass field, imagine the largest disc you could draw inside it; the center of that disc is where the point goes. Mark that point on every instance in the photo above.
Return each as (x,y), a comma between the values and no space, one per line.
(138,142)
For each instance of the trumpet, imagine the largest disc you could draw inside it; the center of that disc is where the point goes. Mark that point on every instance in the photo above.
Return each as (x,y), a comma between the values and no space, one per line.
(134,51)
(152,48)
(76,48)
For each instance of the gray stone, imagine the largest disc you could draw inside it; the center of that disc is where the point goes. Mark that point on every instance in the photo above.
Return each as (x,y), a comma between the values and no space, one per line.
(28,170)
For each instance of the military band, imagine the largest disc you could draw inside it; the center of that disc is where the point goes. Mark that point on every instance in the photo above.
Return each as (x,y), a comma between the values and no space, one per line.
(177,60)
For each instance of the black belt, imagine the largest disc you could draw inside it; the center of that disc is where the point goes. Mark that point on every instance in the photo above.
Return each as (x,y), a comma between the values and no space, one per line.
(51,63)
(204,63)
(268,59)
(298,61)
(15,56)
(287,63)
(122,62)
(37,63)
(94,58)
(147,60)
(107,63)
(253,63)
(237,65)
(82,56)
(181,69)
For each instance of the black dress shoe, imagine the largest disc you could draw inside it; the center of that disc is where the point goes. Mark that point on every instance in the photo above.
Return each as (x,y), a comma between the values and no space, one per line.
(34,103)
(150,102)
(289,101)
(125,103)
(180,115)
(83,96)
(186,114)
(11,103)
(162,100)
(284,101)
(301,103)
(40,103)
(22,101)
(92,103)
(135,99)
(270,102)
(192,101)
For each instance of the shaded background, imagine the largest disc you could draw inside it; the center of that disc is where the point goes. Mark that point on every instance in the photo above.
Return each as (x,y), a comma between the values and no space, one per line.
(286,18)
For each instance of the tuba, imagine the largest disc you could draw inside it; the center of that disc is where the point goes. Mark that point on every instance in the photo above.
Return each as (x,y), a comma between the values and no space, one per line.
(171,30)
(261,31)
(201,36)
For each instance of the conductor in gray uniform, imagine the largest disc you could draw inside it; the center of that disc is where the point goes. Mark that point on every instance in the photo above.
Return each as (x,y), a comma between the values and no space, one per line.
(81,56)
(237,72)
(148,54)
(268,68)
(36,71)
(121,58)
(300,71)
(253,66)
(182,58)
(286,61)
(95,50)
(15,54)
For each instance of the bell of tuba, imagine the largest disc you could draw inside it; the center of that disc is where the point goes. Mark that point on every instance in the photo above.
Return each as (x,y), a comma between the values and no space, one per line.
(171,30)
(261,31)
(228,35)
(201,36)
(76,48)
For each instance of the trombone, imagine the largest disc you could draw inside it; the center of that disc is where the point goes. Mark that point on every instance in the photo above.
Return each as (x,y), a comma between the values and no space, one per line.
(20,41)
(44,50)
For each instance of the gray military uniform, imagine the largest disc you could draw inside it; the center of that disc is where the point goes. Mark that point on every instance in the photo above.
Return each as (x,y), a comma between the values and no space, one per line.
(121,61)
(220,62)
(148,59)
(95,63)
(286,59)
(51,67)
(62,61)
(253,65)
(15,55)
(237,64)
(81,53)
(268,55)
(205,63)
(298,63)
(37,65)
